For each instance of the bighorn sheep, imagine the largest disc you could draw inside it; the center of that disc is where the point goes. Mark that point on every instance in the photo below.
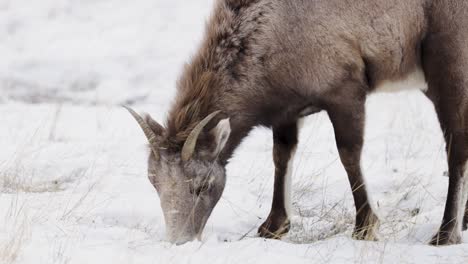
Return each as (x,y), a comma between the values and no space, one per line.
(270,63)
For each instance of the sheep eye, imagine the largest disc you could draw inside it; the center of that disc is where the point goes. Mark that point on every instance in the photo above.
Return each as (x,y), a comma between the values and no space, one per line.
(199,189)
(203,188)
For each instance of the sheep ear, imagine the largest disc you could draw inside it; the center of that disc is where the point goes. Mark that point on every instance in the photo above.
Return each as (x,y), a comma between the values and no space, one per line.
(221,135)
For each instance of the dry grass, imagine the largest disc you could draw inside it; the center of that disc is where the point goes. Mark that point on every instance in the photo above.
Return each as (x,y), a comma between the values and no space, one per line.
(19,179)
(16,224)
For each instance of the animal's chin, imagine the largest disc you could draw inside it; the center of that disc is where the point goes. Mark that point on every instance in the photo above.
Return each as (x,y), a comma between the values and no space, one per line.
(180,239)
(182,227)
(180,242)
(180,235)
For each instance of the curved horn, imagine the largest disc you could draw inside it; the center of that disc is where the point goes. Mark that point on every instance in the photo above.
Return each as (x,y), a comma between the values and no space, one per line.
(191,142)
(150,135)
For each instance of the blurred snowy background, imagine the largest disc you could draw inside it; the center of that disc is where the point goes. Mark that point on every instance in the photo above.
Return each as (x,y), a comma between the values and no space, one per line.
(95,52)
(73,185)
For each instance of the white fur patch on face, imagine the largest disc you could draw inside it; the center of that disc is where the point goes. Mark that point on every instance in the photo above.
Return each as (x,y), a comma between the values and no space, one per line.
(414,81)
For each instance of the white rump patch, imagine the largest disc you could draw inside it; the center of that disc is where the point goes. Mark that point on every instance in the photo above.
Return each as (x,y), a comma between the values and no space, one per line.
(414,81)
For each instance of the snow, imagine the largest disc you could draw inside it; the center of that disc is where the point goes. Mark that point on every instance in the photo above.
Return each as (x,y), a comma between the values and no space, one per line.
(73,186)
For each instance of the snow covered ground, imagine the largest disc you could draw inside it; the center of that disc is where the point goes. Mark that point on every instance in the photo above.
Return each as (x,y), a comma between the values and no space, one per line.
(73,186)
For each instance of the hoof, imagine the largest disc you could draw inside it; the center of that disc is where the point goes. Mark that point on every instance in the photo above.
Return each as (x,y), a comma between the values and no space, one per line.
(443,238)
(274,229)
(368,230)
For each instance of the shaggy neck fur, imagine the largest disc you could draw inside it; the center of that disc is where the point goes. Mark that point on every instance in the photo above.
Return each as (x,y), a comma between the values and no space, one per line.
(228,51)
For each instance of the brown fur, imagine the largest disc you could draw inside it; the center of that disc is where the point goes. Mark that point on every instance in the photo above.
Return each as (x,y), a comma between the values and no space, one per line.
(268,63)
(228,42)
(285,139)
